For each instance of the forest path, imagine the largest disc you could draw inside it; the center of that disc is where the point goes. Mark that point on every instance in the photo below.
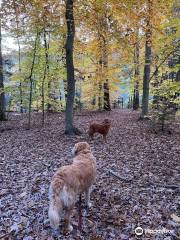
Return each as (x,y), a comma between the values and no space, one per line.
(28,159)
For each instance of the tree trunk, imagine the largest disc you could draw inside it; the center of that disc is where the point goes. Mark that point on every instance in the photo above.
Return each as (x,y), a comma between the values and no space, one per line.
(107,105)
(19,56)
(31,80)
(136,74)
(20,83)
(69,128)
(2,95)
(100,97)
(145,98)
(46,67)
(147,67)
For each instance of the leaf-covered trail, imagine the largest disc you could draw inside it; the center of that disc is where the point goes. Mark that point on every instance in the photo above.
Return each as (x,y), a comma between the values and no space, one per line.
(28,159)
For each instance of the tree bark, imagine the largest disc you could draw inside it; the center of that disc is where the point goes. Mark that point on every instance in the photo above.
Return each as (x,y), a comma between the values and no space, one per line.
(19,56)
(103,36)
(2,95)
(107,106)
(31,80)
(69,128)
(147,67)
(20,83)
(46,68)
(136,74)
(100,96)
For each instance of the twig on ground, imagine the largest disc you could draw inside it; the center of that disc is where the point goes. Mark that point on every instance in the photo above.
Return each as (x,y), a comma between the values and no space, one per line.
(119,177)
(172,186)
(6,235)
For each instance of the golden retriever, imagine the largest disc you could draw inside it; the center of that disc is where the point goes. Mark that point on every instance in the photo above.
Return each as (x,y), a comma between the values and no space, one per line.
(102,128)
(70,181)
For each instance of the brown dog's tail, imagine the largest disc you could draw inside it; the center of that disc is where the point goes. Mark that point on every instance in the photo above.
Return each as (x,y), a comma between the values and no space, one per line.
(55,206)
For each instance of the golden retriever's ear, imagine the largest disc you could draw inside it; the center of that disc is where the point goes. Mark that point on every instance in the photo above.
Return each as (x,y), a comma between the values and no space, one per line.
(74,150)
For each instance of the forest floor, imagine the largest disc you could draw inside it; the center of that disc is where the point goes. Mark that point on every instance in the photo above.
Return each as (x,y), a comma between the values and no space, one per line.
(28,159)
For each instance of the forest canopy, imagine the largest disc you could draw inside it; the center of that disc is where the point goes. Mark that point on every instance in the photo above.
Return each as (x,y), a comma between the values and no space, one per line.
(89,54)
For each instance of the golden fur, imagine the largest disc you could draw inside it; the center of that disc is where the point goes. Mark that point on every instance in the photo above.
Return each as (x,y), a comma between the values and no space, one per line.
(70,181)
(102,128)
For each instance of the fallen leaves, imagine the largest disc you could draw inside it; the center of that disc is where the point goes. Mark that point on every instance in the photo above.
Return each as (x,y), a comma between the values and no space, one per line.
(28,160)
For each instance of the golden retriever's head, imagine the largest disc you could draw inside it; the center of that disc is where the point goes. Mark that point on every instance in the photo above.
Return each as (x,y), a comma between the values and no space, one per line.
(79,147)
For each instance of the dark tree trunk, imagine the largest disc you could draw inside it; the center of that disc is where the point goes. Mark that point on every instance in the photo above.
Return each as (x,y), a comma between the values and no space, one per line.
(2,96)
(136,74)
(20,83)
(60,98)
(155,84)
(145,97)
(31,80)
(107,105)
(19,56)
(147,67)
(100,97)
(69,128)
(46,67)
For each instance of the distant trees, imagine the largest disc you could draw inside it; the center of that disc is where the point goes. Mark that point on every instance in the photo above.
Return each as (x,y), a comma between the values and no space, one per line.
(114,41)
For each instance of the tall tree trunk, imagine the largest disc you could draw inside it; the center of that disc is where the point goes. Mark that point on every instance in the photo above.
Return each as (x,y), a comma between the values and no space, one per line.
(31,80)
(147,67)
(100,97)
(20,82)
(107,106)
(2,96)
(19,56)
(69,128)
(46,68)
(49,80)
(136,74)
(104,51)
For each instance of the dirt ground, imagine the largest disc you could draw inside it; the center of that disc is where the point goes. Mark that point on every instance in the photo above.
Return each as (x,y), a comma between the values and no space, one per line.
(147,163)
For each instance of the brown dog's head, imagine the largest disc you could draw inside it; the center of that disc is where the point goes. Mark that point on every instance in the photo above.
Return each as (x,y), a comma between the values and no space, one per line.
(79,147)
(107,121)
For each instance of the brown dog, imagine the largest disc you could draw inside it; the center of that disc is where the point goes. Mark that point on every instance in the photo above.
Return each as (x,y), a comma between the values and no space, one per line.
(102,128)
(70,181)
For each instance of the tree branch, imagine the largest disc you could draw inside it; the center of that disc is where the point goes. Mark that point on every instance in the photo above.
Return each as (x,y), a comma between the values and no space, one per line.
(167,56)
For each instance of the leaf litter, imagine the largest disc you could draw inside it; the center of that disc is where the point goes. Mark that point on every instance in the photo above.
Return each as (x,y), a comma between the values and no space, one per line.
(28,159)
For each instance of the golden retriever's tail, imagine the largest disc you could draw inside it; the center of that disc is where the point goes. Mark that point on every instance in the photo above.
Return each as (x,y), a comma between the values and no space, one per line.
(55,206)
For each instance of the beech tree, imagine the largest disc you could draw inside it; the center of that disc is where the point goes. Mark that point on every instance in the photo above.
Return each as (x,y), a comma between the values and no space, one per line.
(147,65)
(69,127)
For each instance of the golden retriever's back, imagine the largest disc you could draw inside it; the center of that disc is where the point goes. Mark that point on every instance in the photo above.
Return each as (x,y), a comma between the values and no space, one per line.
(71,180)
(79,175)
